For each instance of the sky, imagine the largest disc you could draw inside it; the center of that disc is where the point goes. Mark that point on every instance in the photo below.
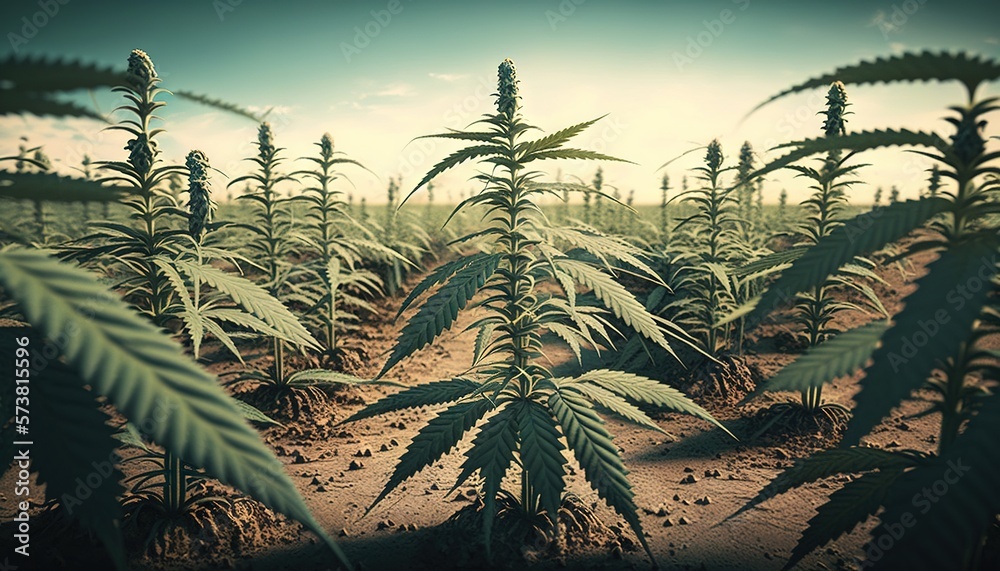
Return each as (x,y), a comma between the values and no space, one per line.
(667,76)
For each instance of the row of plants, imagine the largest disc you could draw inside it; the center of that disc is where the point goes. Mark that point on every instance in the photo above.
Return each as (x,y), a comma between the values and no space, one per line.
(292,272)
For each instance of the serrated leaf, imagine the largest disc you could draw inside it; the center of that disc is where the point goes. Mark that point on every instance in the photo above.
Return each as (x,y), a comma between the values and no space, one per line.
(49,187)
(828,463)
(939,313)
(147,377)
(438,437)
(541,454)
(254,299)
(254,414)
(840,356)
(925,66)
(644,390)
(613,403)
(594,449)
(860,141)
(844,510)
(441,309)
(491,454)
(439,275)
(862,234)
(218,104)
(948,530)
(769,262)
(427,394)
(616,298)
(73,443)
(315,377)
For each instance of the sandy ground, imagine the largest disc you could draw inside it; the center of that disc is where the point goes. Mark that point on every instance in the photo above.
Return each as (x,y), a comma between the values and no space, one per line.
(341,469)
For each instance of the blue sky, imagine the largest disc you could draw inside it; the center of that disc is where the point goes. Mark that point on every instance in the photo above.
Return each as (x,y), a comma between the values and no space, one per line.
(376,74)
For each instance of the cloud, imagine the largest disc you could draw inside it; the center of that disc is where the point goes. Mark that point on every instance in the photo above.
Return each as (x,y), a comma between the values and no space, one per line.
(448,76)
(992,40)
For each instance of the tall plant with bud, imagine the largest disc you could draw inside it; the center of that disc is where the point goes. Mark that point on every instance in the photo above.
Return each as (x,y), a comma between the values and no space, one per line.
(955,363)
(528,418)
(116,356)
(337,283)
(816,309)
(712,247)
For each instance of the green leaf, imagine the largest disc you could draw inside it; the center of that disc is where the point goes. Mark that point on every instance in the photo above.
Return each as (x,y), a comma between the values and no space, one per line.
(254,414)
(948,529)
(597,454)
(936,321)
(49,187)
(441,434)
(441,309)
(13,102)
(491,454)
(327,377)
(453,160)
(838,357)
(427,394)
(148,378)
(73,443)
(578,154)
(644,390)
(844,510)
(925,66)
(218,104)
(439,275)
(541,454)
(254,299)
(828,463)
(769,262)
(616,298)
(860,141)
(555,140)
(864,233)
(32,73)
(612,402)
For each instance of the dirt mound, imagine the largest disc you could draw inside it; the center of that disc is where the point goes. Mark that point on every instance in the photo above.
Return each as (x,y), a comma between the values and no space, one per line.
(519,540)
(722,382)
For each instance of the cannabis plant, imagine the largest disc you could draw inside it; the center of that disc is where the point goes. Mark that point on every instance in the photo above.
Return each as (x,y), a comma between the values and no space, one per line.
(529,419)
(815,310)
(713,247)
(337,284)
(103,352)
(937,338)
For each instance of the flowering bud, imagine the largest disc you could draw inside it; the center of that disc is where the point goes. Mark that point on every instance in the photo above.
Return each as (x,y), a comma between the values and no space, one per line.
(140,72)
(714,155)
(507,87)
(200,205)
(836,110)
(326,146)
(265,141)
(141,153)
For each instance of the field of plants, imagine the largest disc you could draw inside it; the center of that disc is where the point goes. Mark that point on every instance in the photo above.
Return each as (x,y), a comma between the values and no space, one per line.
(541,375)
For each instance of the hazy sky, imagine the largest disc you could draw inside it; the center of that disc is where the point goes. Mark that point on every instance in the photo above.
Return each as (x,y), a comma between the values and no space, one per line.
(669,75)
